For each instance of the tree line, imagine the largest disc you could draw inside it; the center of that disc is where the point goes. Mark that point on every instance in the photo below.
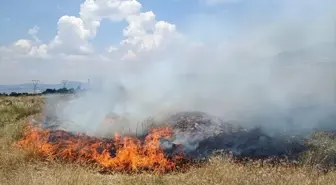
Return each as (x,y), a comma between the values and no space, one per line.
(47,91)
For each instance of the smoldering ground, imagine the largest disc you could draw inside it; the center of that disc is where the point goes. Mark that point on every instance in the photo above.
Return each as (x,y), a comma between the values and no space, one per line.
(278,75)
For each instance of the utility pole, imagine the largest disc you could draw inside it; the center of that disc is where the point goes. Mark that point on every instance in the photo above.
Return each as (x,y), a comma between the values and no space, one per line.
(35,83)
(88,84)
(64,82)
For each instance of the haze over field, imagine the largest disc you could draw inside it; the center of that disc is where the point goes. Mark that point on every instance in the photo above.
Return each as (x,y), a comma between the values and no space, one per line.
(29,87)
(269,63)
(180,92)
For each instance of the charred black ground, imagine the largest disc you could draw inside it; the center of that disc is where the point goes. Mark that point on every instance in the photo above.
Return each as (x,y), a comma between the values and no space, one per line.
(199,135)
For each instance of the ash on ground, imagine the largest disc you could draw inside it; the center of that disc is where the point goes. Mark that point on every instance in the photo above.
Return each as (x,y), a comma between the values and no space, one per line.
(199,135)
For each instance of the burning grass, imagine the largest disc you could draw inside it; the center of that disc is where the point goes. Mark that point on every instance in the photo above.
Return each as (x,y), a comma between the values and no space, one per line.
(120,153)
(24,167)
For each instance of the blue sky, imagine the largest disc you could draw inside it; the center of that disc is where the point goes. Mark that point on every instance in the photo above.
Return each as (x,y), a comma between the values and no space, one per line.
(45,15)
(52,40)
(19,15)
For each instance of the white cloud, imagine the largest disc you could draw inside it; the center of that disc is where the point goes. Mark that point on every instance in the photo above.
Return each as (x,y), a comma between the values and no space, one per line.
(24,44)
(147,39)
(111,49)
(93,11)
(39,51)
(144,33)
(72,37)
(24,49)
(130,55)
(33,31)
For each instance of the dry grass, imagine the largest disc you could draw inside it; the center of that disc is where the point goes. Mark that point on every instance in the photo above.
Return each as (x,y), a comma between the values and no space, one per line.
(20,167)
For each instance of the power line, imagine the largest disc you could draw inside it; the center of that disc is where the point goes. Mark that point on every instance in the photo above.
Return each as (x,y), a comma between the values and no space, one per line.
(35,83)
(64,82)
(88,84)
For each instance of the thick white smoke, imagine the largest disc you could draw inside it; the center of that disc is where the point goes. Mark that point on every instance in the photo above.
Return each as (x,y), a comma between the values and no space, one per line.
(278,72)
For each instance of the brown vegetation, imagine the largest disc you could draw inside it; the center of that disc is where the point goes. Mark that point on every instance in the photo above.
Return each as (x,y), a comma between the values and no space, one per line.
(21,167)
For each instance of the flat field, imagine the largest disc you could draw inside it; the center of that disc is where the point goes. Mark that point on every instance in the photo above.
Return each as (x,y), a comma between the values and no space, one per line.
(18,166)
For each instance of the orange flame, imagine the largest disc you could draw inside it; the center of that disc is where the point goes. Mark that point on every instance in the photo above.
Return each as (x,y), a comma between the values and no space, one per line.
(118,153)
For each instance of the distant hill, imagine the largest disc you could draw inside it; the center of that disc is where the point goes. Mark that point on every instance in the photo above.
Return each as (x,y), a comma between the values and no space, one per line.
(29,88)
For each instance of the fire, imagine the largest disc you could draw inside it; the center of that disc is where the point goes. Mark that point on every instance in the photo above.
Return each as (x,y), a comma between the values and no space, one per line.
(119,153)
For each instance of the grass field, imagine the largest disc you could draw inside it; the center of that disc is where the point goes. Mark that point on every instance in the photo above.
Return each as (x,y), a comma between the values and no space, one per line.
(21,167)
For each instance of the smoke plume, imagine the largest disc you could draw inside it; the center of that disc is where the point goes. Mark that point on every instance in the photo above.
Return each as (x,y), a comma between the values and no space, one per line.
(273,70)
